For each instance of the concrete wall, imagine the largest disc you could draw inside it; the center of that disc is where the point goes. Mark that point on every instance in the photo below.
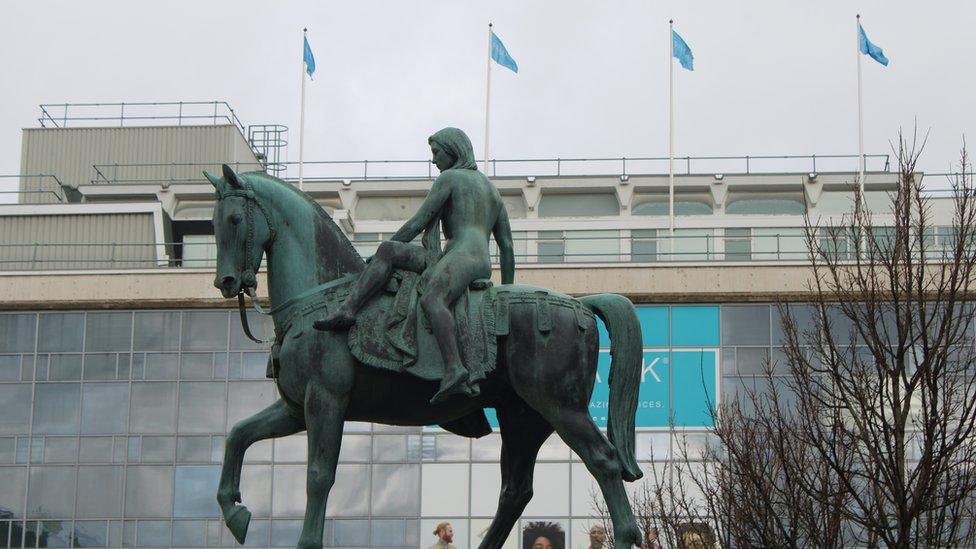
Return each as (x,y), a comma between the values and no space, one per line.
(70,153)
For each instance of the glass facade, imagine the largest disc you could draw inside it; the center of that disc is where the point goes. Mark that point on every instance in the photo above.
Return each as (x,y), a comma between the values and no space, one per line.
(112,428)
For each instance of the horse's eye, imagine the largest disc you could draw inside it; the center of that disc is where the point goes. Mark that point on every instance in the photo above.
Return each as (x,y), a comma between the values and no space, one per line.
(235,219)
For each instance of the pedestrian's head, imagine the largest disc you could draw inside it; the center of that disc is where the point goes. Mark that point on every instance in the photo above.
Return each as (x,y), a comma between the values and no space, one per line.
(543,535)
(598,536)
(444,532)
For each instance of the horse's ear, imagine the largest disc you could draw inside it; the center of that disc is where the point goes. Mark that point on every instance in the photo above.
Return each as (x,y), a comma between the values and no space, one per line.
(214,180)
(231,177)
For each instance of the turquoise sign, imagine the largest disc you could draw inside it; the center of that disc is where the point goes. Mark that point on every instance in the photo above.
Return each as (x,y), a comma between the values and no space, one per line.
(680,370)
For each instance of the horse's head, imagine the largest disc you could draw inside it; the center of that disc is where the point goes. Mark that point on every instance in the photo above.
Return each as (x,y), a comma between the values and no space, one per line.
(243,230)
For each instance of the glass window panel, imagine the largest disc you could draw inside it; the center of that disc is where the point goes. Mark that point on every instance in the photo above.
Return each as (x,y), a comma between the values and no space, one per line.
(770,204)
(355,448)
(592,245)
(205,330)
(56,408)
(257,533)
(95,450)
(779,243)
(255,365)
(100,491)
(552,480)
(220,365)
(452,448)
(158,449)
(389,448)
(7,449)
(17,333)
(37,450)
(100,366)
(288,498)
(745,325)
(162,366)
(217,448)
(23,449)
(292,449)
(189,533)
(445,489)
(119,454)
(135,449)
(191,449)
(751,360)
(104,407)
(153,533)
(157,331)
(91,533)
(9,367)
(14,482)
(396,490)
(262,326)
(578,205)
(234,365)
(138,369)
(149,491)
(351,533)
(486,482)
(388,533)
(153,408)
(487,448)
(196,486)
(60,332)
(246,398)
(196,366)
(256,489)
(55,533)
(653,446)
(108,331)
(61,450)
(738,244)
(65,368)
(553,449)
(350,495)
(202,406)
(805,318)
(285,533)
(15,407)
(52,492)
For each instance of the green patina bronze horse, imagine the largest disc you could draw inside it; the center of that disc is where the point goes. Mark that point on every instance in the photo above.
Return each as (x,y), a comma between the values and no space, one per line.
(541,380)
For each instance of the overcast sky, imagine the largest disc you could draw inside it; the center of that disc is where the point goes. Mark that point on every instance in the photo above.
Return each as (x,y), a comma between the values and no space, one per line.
(770,77)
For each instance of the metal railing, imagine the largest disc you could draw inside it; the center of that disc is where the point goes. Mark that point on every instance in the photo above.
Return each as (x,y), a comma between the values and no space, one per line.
(368,170)
(48,186)
(59,115)
(568,249)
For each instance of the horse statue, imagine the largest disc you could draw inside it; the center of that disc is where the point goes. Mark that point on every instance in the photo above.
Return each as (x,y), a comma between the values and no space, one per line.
(540,380)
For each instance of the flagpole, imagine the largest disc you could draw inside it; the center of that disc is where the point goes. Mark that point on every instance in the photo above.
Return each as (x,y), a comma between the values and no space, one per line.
(860,113)
(301,124)
(488,99)
(671,129)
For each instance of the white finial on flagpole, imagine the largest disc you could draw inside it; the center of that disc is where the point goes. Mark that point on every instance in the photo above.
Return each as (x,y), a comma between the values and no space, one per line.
(301,123)
(488,99)
(671,129)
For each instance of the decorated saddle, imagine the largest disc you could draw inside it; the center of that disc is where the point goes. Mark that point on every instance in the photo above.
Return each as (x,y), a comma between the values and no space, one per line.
(393,333)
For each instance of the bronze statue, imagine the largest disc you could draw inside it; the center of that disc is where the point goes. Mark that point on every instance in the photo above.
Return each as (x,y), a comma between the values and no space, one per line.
(471,210)
(532,352)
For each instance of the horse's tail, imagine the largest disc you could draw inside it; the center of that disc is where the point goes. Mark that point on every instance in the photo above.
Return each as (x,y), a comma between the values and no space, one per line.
(626,361)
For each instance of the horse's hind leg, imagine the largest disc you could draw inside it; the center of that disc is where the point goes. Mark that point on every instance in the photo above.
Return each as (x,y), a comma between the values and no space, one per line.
(523,432)
(277,420)
(576,427)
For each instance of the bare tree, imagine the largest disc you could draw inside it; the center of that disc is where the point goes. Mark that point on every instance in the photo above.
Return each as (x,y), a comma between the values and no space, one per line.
(863,433)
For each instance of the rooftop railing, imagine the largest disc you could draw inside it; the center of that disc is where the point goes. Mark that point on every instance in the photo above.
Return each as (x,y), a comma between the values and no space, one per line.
(41,188)
(547,248)
(367,170)
(179,113)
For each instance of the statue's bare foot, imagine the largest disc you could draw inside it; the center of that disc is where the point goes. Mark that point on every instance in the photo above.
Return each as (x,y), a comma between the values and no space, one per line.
(454,384)
(338,320)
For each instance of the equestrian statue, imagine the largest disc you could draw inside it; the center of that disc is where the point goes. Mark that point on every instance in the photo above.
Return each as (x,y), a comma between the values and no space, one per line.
(419,336)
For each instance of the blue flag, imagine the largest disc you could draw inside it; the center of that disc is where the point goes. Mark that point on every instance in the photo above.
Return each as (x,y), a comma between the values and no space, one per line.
(681,51)
(869,49)
(500,54)
(309,59)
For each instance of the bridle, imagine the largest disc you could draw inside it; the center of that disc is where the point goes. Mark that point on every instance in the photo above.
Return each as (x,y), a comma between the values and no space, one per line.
(249,271)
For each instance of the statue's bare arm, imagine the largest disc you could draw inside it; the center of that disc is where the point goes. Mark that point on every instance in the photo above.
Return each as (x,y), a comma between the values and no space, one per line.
(503,237)
(439,193)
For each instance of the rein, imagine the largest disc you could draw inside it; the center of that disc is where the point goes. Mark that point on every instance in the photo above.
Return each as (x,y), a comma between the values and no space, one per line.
(321,288)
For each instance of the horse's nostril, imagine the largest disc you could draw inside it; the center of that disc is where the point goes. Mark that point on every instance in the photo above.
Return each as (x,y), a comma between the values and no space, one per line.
(227,282)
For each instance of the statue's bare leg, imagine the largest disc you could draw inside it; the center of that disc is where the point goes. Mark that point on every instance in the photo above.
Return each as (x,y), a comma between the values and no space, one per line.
(389,256)
(448,280)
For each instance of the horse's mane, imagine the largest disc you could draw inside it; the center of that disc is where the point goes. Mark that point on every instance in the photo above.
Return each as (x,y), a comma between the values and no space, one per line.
(328,223)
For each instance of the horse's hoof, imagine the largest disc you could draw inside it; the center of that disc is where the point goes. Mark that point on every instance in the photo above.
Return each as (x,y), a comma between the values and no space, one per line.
(237,522)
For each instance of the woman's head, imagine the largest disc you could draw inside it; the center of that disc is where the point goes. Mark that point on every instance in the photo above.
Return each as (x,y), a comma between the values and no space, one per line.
(543,535)
(451,149)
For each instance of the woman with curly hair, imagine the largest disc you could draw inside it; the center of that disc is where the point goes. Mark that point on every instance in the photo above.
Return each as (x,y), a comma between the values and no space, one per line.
(543,535)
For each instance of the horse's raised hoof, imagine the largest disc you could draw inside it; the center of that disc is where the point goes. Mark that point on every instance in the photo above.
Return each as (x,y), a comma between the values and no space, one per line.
(338,320)
(237,521)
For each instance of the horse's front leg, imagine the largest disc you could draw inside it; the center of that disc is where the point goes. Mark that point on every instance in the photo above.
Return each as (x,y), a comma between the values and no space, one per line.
(277,420)
(324,414)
